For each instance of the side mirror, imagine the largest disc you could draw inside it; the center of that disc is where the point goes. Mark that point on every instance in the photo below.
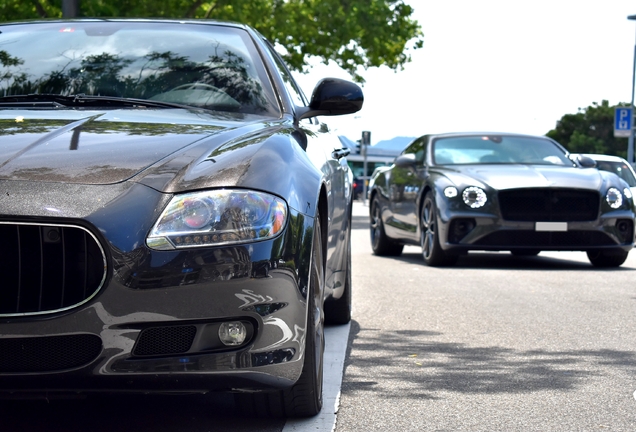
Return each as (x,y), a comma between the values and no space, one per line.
(406,160)
(585,161)
(332,97)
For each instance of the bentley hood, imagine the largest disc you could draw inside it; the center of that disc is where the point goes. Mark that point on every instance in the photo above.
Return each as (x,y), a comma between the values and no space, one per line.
(100,147)
(502,177)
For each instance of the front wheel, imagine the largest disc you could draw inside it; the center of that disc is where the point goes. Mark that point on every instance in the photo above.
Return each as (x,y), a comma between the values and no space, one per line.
(607,257)
(432,252)
(339,311)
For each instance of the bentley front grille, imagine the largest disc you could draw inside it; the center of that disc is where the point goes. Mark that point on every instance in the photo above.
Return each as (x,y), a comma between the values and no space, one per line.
(549,205)
(47,268)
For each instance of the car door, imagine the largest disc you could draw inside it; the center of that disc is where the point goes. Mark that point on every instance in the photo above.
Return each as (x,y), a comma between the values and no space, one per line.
(406,183)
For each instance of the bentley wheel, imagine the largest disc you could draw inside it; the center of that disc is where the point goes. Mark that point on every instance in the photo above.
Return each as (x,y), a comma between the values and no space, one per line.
(429,236)
(607,257)
(303,399)
(380,243)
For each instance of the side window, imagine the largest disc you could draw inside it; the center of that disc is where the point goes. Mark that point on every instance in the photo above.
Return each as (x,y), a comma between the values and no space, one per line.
(417,148)
(294,92)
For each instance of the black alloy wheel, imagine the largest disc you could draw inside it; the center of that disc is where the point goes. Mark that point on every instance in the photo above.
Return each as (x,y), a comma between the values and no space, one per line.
(380,242)
(432,252)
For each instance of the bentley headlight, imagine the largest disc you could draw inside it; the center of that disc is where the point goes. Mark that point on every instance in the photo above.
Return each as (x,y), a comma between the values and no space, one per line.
(450,192)
(474,197)
(218,217)
(614,198)
(627,192)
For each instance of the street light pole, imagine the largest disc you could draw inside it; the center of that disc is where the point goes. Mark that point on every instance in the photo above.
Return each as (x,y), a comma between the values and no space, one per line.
(630,142)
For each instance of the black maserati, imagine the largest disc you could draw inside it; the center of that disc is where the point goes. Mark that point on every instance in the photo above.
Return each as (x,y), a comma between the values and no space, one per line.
(457,192)
(173,216)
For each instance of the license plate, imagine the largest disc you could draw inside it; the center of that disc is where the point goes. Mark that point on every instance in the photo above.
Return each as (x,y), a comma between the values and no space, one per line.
(551,226)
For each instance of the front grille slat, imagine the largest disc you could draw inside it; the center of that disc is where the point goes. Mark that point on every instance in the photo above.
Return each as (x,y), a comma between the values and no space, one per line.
(47,267)
(549,205)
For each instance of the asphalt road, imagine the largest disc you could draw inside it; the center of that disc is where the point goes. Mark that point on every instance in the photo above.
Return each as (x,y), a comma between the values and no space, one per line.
(496,343)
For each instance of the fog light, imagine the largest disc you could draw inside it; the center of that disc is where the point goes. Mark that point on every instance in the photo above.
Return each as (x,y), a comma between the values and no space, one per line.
(232,333)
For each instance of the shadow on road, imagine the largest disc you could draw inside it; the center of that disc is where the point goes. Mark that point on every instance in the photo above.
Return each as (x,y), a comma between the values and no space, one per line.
(138,413)
(419,367)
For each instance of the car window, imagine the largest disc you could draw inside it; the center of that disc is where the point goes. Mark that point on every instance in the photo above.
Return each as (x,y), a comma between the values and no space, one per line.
(208,66)
(298,98)
(489,149)
(620,169)
(417,148)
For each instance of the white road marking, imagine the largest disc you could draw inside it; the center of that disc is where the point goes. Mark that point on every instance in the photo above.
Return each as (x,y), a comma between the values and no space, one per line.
(336,341)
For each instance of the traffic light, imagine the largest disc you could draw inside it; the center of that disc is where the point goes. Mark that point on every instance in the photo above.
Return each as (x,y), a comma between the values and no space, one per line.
(358,144)
(366,137)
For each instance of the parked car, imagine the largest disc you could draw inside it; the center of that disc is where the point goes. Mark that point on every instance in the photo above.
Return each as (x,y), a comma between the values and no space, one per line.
(618,166)
(358,188)
(457,192)
(173,216)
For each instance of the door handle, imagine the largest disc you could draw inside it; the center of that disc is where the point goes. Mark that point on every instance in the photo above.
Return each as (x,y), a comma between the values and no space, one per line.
(340,153)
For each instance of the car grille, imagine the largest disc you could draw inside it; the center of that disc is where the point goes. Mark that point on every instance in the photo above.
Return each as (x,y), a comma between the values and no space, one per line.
(549,205)
(545,240)
(165,340)
(49,353)
(47,268)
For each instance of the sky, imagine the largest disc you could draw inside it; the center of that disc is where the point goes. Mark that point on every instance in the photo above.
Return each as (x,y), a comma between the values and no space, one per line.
(497,66)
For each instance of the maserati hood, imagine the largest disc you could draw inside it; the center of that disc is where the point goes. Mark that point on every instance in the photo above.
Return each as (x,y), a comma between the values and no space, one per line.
(502,177)
(99,147)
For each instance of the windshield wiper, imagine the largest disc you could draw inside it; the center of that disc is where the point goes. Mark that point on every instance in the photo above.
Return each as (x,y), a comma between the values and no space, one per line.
(47,100)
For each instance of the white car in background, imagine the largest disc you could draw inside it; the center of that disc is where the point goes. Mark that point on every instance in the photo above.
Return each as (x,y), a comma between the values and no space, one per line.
(618,166)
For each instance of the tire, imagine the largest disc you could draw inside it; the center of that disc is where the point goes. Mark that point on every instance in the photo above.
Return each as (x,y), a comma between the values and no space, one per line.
(525,252)
(432,252)
(339,311)
(607,257)
(303,399)
(380,243)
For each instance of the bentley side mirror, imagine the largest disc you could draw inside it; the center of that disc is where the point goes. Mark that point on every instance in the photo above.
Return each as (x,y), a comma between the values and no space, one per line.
(406,160)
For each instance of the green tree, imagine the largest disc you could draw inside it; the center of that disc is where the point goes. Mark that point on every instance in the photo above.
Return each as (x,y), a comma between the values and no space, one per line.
(590,130)
(352,33)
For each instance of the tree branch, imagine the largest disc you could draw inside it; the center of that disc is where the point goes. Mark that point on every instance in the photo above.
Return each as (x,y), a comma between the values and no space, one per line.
(40,9)
(193,9)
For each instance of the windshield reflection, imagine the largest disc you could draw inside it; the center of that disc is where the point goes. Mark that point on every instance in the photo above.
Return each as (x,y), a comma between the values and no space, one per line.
(210,67)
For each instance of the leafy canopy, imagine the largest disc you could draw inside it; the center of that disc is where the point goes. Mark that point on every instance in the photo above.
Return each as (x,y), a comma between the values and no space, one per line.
(590,130)
(352,33)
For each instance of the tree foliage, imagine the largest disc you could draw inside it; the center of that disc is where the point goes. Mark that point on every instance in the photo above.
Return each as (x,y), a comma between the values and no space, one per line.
(590,130)
(352,33)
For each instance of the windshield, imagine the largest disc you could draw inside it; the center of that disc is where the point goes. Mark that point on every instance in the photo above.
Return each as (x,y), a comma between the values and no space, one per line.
(497,149)
(206,66)
(620,169)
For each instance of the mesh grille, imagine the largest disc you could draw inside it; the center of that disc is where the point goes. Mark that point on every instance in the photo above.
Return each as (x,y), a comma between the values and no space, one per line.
(549,205)
(46,268)
(553,240)
(165,340)
(50,353)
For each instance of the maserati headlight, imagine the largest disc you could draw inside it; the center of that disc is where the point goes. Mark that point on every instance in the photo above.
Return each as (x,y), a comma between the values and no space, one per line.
(474,197)
(614,198)
(218,217)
